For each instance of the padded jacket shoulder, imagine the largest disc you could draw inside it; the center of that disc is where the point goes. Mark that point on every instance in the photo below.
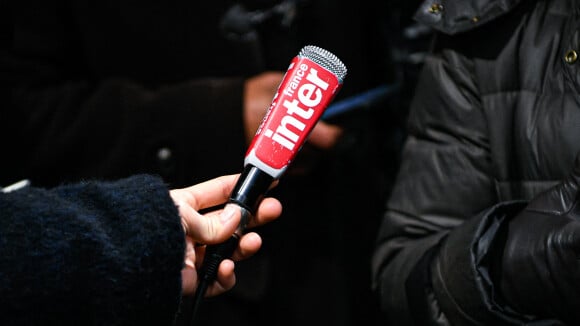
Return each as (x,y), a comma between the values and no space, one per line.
(494,121)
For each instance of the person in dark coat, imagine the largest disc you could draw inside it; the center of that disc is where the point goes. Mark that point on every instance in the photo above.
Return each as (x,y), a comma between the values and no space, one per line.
(113,253)
(482,226)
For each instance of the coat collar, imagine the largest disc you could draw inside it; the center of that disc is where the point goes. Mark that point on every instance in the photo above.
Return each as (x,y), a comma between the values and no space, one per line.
(456,16)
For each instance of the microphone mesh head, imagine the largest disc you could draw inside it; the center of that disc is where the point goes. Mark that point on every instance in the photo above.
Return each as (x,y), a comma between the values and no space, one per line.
(325,59)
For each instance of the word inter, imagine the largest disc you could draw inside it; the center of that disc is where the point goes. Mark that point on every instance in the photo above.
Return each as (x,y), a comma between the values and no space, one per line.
(298,110)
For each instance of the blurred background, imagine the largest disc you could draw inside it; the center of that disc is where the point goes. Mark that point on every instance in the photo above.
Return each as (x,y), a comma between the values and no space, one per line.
(108,89)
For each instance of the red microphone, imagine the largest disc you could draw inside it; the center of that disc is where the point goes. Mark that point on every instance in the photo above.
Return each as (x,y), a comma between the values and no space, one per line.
(312,80)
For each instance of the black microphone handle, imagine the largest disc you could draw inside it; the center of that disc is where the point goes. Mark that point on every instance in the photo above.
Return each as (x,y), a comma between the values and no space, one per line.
(247,194)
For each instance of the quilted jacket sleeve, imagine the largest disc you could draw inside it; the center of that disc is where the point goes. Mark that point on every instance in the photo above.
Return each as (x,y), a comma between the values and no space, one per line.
(440,196)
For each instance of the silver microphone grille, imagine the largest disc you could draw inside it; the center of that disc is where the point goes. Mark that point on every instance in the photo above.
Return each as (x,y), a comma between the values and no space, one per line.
(325,59)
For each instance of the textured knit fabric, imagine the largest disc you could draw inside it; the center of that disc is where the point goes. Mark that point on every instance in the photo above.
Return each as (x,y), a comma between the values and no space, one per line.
(94,253)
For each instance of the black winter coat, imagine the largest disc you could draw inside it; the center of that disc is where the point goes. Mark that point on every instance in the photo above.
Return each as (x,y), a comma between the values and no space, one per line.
(495,120)
(92,253)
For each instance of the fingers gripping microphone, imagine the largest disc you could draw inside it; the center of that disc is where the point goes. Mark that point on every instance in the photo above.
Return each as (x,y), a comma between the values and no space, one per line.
(312,80)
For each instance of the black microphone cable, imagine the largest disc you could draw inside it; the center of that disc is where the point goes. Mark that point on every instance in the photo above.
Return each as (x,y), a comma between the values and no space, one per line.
(247,195)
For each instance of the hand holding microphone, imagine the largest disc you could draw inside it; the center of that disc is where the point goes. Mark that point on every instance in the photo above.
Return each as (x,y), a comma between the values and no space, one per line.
(539,273)
(309,85)
(215,227)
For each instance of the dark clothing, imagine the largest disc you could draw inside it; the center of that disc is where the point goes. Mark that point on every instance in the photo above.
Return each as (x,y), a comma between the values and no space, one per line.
(495,120)
(107,89)
(93,253)
(112,88)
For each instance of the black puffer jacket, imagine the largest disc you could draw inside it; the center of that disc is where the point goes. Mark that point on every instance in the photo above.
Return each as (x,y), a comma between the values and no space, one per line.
(495,120)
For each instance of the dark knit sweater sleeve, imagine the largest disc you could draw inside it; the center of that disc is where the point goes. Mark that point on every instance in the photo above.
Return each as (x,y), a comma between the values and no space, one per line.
(93,253)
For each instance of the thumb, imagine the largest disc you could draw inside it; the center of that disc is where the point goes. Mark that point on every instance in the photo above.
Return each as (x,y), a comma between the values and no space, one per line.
(214,227)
